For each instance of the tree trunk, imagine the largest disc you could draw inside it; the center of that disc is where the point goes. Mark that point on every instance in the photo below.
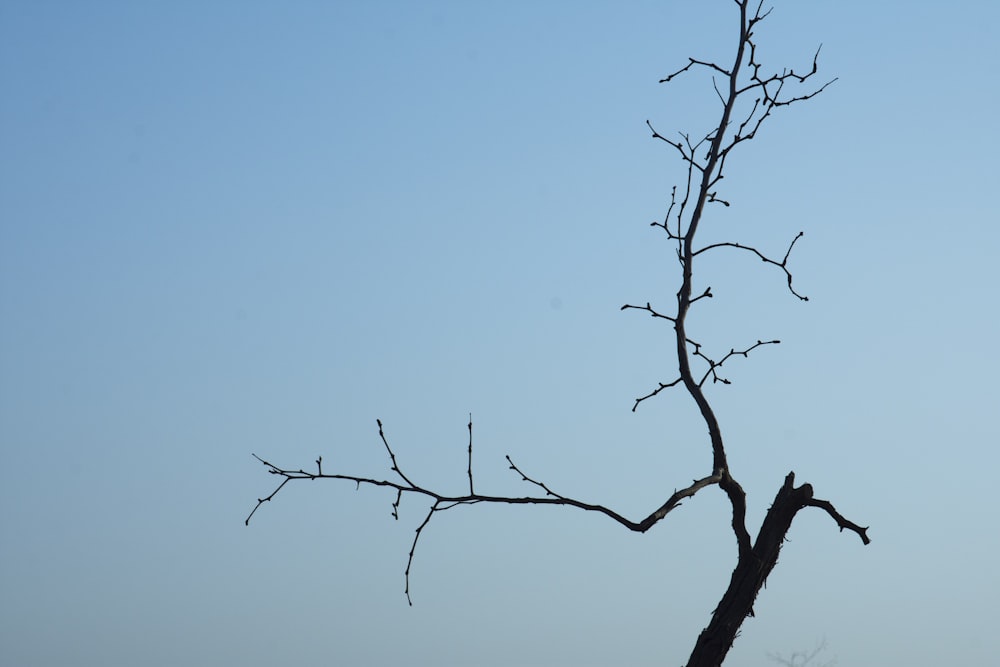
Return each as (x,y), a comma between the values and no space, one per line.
(749,577)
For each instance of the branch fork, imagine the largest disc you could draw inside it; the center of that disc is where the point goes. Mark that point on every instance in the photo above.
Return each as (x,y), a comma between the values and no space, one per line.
(747,99)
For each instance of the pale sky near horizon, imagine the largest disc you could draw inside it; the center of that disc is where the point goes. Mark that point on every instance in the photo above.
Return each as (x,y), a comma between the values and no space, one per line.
(238,227)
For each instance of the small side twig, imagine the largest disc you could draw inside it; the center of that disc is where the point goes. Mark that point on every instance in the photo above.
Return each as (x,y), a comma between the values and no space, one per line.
(843,523)
(392,456)
(656,391)
(472,491)
(413,550)
(649,309)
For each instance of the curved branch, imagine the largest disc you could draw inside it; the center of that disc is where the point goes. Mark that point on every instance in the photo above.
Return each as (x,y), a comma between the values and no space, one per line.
(713,162)
(844,524)
(783,264)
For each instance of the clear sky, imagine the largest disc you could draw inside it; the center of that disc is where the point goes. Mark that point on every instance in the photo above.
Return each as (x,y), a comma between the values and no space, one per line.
(237,227)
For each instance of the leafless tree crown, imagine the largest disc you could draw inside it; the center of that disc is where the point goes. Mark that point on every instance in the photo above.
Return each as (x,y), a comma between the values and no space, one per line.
(748,95)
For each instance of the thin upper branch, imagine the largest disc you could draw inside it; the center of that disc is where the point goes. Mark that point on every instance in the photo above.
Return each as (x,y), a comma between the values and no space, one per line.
(783,264)
(748,98)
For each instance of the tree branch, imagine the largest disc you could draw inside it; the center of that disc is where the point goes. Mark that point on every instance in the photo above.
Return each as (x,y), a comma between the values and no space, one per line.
(713,365)
(748,98)
(443,501)
(783,264)
(828,507)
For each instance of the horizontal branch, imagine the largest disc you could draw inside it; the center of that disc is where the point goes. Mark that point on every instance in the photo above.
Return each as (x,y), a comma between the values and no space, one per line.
(442,501)
(692,62)
(649,309)
(713,365)
(551,498)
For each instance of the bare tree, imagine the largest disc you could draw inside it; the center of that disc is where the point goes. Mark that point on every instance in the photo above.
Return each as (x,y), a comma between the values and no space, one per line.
(747,98)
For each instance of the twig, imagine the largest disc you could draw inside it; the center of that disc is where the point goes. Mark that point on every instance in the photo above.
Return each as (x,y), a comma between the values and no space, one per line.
(472,491)
(828,507)
(713,365)
(783,264)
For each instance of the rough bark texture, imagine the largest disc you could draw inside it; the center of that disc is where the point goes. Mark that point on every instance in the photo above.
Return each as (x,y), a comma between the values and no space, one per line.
(749,576)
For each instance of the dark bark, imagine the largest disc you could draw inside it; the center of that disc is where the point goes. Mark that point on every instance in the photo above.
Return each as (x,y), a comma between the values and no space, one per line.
(748,97)
(749,576)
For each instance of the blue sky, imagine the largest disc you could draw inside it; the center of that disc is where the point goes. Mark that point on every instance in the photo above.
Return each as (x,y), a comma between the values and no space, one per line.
(242,227)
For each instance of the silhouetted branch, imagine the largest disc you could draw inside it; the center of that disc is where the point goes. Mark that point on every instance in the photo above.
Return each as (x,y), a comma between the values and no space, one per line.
(707,294)
(656,391)
(471,490)
(392,457)
(713,365)
(261,501)
(650,310)
(442,501)
(783,264)
(413,549)
(747,98)
(759,95)
(693,62)
(827,506)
